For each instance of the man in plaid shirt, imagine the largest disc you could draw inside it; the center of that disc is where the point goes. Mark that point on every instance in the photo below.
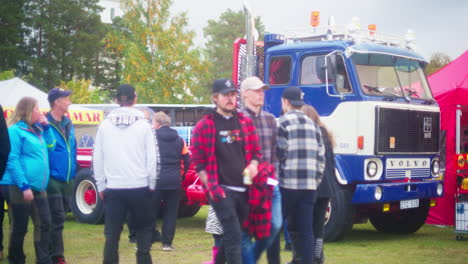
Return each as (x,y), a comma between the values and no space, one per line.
(302,162)
(224,146)
(253,95)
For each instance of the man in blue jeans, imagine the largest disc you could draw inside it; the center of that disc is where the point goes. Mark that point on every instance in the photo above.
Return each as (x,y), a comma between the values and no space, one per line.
(253,95)
(301,153)
(62,163)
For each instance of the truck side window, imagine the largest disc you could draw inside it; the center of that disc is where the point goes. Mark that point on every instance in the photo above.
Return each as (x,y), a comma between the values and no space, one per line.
(280,70)
(341,81)
(313,72)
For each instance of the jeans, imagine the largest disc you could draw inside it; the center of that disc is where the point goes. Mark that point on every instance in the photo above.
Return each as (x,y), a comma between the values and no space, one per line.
(298,207)
(58,192)
(19,211)
(117,203)
(287,239)
(273,251)
(231,212)
(169,200)
(251,251)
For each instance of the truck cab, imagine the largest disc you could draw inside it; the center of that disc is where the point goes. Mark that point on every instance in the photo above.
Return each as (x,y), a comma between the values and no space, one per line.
(371,92)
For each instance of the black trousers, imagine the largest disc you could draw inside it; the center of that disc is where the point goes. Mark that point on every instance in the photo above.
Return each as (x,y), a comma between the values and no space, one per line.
(169,201)
(20,210)
(231,212)
(117,203)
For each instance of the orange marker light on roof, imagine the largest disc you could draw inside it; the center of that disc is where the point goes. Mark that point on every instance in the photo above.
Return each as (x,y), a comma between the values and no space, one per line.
(372,28)
(315,18)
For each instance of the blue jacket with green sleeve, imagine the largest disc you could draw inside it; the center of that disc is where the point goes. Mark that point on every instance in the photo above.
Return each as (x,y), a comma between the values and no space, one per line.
(28,165)
(62,160)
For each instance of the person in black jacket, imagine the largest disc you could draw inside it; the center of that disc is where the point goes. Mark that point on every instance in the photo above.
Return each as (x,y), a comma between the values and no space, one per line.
(4,144)
(325,190)
(4,151)
(172,152)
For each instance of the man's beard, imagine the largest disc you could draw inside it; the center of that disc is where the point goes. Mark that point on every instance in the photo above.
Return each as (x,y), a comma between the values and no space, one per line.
(226,110)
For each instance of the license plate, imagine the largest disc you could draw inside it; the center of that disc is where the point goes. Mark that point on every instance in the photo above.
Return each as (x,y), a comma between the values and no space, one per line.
(406,204)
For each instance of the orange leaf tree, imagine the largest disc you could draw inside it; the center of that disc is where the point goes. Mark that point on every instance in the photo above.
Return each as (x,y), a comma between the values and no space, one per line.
(158,55)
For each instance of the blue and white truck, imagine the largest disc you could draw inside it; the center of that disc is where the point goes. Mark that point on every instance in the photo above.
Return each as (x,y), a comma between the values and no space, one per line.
(371,92)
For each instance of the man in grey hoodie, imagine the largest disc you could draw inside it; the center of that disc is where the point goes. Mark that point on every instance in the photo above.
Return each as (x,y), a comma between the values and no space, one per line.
(124,162)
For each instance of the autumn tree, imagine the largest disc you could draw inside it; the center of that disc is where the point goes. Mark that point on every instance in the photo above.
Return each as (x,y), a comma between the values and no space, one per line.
(438,61)
(84,93)
(157,53)
(220,35)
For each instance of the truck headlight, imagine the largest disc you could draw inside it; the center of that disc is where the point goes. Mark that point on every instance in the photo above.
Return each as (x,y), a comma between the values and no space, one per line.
(440,189)
(435,168)
(372,169)
(378,193)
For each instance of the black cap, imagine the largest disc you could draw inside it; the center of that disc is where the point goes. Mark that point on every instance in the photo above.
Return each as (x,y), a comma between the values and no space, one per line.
(125,93)
(56,93)
(294,95)
(223,86)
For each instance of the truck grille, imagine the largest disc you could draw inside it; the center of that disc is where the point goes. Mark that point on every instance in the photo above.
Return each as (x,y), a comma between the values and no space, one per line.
(406,131)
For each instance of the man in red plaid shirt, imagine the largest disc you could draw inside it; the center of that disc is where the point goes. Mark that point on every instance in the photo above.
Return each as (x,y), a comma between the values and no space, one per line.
(224,146)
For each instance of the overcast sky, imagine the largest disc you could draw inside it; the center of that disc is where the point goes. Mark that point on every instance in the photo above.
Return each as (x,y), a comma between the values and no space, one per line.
(439,25)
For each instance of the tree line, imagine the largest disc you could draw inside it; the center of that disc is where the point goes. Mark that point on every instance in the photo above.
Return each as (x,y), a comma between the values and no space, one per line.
(64,43)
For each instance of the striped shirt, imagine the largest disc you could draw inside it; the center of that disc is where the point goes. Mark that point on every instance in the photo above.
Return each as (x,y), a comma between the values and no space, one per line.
(301,152)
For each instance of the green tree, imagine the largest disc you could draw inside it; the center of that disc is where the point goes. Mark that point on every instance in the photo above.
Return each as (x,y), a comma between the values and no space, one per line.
(438,61)
(220,35)
(12,34)
(5,75)
(157,53)
(64,42)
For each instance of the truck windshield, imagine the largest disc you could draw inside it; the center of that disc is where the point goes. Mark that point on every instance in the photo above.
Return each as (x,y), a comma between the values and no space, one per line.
(391,76)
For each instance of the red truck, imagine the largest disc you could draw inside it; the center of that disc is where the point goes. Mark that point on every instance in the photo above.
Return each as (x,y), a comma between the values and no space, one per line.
(86,204)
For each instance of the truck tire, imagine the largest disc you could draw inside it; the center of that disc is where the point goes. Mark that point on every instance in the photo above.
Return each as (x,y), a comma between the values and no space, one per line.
(340,213)
(85,203)
(402,222)
(186,209)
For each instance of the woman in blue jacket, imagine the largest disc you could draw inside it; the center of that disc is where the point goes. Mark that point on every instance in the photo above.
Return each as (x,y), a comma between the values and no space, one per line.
(26,178)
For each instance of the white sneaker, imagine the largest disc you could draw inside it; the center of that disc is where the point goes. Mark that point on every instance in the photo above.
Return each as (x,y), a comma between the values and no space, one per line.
(167,248)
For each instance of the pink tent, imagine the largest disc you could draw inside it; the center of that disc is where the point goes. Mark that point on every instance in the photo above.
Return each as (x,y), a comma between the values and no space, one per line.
(450,88)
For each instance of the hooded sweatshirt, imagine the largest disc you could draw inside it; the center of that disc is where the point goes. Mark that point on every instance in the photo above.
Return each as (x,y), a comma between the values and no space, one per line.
(124,155)
(171,151)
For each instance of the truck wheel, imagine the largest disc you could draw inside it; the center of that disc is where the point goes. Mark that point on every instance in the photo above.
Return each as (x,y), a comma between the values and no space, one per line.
(401,222)
(340,214)
(85,202)
(186,209)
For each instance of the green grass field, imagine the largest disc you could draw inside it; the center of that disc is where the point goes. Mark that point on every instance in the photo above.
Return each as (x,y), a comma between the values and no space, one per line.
(84,245)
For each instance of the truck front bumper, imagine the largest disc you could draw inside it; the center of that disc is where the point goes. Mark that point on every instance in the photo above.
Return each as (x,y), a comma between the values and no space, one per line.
(389,192)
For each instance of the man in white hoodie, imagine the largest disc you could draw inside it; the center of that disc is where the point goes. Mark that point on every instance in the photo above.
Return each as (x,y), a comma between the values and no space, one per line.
(124,163)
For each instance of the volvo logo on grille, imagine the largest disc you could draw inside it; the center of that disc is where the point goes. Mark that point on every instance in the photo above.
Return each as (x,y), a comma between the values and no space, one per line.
(427,127)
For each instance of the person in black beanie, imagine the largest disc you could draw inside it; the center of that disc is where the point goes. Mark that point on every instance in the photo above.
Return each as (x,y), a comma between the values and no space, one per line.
(4,151)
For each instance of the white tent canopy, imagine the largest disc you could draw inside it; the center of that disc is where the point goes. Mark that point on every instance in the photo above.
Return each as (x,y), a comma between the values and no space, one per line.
(12,90)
